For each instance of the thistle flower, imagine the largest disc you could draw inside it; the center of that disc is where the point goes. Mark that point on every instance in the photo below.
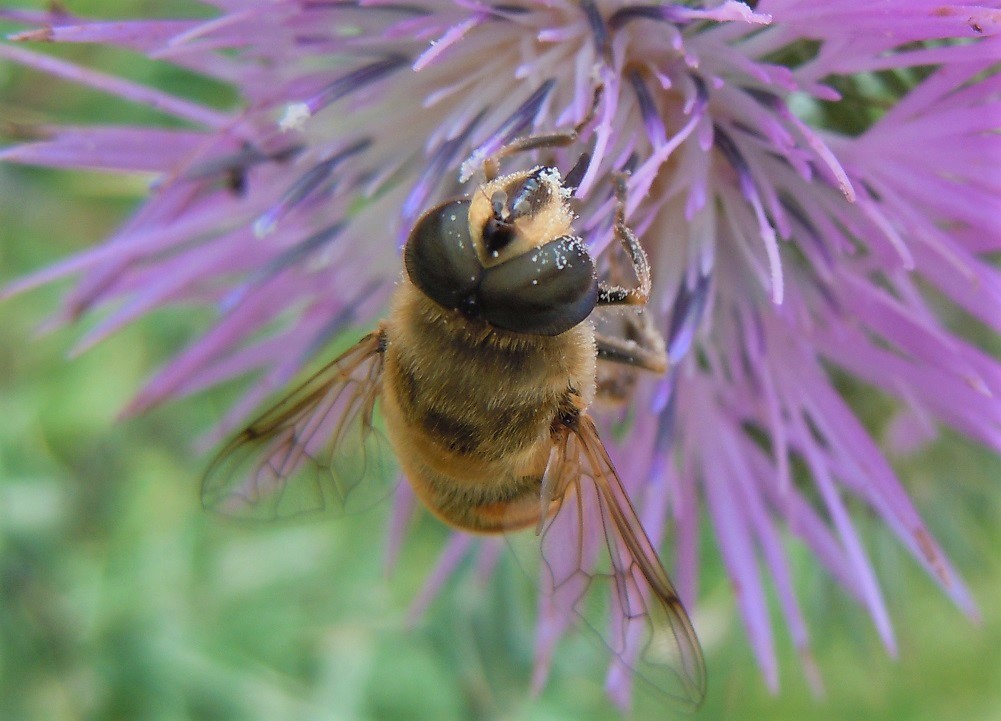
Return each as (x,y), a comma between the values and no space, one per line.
(803,175)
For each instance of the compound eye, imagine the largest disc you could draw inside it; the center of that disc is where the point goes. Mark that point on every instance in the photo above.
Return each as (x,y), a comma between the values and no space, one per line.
(440,258)
(546,291)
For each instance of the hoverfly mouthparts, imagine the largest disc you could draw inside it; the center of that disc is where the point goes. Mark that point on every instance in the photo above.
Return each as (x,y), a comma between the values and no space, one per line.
(506,256)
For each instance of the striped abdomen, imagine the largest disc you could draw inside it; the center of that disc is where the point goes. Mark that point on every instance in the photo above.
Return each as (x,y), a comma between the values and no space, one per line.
(469,409)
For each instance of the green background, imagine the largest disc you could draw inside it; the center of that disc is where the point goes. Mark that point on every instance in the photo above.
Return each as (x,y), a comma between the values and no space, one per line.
(121,599)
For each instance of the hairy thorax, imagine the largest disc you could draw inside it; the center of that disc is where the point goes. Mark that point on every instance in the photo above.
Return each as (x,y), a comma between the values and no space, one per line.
(469,409)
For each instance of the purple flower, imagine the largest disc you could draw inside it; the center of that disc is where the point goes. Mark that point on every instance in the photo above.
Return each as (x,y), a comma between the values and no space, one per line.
(805,177)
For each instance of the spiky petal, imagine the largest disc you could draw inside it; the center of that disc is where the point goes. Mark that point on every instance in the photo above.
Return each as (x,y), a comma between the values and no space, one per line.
(787,241)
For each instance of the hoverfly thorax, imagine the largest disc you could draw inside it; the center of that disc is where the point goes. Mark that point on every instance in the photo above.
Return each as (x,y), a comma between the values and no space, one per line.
(506,256)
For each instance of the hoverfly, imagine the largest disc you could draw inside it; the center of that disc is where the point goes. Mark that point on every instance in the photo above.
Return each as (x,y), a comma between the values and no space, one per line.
(483,373)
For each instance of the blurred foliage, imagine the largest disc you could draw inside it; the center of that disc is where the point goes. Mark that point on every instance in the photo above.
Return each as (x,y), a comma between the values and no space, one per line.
(121,599)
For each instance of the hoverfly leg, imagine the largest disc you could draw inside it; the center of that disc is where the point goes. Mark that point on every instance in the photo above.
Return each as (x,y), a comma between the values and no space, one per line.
(646,350)
(639,344)
(641,347)
(555,139)
(617,295)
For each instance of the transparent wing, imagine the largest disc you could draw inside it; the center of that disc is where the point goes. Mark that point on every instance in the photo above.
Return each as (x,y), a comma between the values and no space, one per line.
(600,566)
(316,449)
